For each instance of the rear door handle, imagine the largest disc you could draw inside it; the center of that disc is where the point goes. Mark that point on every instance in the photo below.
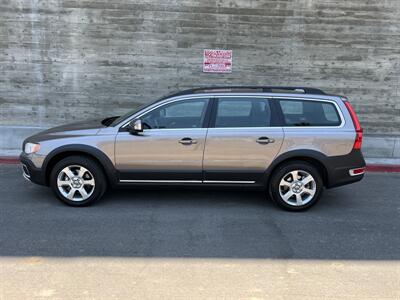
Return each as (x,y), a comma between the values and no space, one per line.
(265,140)
(187,141)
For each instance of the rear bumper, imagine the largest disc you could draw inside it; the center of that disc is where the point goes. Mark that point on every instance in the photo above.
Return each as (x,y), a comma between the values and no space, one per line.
(30,172)
(339,169)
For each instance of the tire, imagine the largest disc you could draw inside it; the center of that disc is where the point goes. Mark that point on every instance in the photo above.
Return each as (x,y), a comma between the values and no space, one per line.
(78,181)
(298,194)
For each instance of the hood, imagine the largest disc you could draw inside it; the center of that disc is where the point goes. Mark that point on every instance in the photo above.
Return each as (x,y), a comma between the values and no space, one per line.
(89,127)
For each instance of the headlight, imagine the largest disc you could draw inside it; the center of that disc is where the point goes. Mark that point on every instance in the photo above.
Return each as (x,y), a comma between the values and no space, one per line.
(31,148)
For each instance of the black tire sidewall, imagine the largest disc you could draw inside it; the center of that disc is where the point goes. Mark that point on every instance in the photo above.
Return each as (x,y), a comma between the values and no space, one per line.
(92,166)
(282,171)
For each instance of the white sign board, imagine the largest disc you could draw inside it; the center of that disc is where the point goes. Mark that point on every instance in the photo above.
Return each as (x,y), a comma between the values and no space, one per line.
(217,61)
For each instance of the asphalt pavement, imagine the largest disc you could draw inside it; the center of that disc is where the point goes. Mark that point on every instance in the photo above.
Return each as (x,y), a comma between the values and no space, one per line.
(215,244)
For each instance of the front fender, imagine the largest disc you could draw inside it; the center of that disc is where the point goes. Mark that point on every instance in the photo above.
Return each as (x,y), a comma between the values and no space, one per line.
(78,149)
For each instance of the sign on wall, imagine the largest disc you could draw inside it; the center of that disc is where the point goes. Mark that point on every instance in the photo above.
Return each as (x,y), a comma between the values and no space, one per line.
(217,61)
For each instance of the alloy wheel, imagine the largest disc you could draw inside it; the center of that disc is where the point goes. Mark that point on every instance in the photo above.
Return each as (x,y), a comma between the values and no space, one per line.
(297,188)
(75,183)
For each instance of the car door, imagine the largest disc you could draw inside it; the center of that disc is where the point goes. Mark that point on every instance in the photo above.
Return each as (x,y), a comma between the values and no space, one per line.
(242,140)
(171,146)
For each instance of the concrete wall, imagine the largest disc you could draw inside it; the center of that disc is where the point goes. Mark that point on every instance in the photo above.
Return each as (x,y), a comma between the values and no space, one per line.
(62,60)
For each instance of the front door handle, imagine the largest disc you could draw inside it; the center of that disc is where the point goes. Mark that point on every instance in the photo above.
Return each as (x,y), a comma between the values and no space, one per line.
(187,141)
(265,140)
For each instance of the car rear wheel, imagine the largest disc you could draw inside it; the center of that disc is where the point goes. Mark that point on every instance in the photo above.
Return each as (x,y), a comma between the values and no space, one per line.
(296,186)
(78,181)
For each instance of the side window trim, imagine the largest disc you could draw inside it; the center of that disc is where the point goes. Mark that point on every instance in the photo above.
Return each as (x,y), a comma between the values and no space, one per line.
(208,119)
(277,119)
(281,118)
(213,114)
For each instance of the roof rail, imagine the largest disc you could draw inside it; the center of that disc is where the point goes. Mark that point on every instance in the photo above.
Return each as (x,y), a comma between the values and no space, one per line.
(263,89)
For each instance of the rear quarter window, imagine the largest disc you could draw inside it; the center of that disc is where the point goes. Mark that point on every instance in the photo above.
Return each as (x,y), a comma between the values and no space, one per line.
(309,113)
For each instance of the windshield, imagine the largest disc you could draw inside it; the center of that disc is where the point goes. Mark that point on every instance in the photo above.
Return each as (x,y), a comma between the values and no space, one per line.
(130,113)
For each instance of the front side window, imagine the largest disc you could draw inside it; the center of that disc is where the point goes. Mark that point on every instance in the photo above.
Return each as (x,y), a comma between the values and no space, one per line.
(243,112)
(179,114)
(309,113)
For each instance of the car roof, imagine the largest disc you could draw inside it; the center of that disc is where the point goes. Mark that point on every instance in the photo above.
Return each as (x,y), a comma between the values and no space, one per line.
(251,89)
(269,91)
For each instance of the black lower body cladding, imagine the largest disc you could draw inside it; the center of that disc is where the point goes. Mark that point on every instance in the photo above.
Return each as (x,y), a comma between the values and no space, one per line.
(338,168)
(36,175)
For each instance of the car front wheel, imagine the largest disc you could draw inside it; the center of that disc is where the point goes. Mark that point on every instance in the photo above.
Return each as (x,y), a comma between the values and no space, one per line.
(78,181)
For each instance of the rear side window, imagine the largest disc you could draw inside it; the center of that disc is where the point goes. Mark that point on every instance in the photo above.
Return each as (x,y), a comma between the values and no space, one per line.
(242,112)
(234,108)
(309,113)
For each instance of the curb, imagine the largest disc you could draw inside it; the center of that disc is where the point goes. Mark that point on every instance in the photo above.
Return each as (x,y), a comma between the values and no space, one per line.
(12,160)
(383,168)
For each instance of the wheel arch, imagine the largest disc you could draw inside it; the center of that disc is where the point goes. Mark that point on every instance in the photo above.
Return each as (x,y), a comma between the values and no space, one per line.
(80,150)
(315,158)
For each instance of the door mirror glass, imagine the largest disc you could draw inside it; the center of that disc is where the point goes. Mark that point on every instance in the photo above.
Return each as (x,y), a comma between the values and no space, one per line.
(135,126)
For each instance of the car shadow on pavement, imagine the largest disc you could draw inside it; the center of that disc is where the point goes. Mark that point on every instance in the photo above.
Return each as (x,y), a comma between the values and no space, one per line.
(354,222)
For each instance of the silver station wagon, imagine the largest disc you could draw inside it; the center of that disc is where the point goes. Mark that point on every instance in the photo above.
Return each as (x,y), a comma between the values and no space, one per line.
(290,142)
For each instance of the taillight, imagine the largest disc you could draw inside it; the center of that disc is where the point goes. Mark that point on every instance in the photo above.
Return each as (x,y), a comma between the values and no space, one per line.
(356,122)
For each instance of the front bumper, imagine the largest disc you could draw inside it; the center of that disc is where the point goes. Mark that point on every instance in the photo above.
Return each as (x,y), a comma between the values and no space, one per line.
(30,172)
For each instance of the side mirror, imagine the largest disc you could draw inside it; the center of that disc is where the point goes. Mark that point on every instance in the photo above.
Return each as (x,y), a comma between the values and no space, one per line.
(135,126)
